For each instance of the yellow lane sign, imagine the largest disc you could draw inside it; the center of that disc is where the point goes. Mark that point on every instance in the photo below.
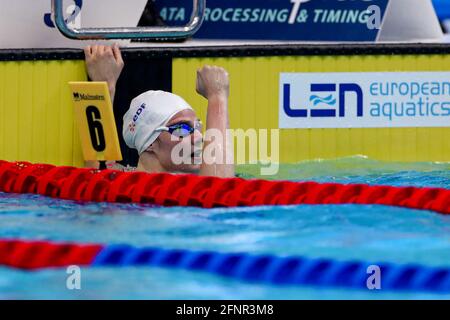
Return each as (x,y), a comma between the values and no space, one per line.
(95,119)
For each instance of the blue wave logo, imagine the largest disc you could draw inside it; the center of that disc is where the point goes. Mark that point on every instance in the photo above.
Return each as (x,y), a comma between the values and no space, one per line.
(327,100)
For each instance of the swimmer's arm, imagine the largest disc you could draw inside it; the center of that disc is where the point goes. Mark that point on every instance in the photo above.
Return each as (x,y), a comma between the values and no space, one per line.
(104,63)
(213,84)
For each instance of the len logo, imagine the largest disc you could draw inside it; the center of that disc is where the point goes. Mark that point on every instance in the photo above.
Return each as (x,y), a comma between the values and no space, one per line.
(324,94)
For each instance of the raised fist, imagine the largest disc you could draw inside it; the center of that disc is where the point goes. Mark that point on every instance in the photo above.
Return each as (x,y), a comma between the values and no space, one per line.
(213,81)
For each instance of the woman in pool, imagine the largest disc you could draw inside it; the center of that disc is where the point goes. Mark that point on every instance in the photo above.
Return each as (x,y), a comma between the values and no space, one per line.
(163,128)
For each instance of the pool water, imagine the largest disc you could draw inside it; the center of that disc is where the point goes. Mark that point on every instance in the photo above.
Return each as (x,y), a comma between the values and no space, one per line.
(345,232)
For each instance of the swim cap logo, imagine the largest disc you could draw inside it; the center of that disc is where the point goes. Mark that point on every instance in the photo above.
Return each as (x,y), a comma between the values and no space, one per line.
(132,125)
(138,112)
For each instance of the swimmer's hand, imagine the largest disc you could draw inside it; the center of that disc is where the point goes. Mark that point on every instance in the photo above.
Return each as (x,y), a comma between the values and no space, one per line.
(104,63)
(213,82)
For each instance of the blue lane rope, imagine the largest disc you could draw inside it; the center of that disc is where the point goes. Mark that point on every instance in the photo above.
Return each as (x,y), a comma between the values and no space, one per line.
(273,270)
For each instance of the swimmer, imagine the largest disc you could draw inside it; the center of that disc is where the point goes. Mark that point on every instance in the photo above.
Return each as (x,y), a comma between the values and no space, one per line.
(158,123)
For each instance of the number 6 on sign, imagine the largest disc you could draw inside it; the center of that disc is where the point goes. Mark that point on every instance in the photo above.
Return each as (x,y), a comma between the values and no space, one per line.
(95,119)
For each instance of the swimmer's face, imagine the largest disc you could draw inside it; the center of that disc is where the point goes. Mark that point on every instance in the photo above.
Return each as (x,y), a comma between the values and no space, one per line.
(189,148)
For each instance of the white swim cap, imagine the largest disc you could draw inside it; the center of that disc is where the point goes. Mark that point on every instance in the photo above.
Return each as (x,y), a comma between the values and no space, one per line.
(149,111)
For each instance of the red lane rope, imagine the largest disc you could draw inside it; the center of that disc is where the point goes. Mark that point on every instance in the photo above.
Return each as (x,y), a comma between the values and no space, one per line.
(42,254)
(191,190)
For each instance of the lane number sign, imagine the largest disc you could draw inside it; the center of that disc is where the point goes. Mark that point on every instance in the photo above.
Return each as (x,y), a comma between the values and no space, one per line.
(95,119)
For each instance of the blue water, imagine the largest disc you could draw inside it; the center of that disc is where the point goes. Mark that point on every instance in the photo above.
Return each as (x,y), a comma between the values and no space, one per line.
(373,233)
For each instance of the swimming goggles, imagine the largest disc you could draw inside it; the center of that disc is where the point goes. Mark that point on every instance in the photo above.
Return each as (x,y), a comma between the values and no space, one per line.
(181,130)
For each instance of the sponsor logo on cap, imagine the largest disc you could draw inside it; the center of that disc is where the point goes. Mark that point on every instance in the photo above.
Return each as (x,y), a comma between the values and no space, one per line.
(132,125)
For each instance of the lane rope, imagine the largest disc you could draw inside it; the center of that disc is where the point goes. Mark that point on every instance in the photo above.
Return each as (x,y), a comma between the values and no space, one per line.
(192,190)
(246,267)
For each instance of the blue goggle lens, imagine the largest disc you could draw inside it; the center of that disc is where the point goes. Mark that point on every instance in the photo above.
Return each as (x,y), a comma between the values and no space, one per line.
(181,130)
